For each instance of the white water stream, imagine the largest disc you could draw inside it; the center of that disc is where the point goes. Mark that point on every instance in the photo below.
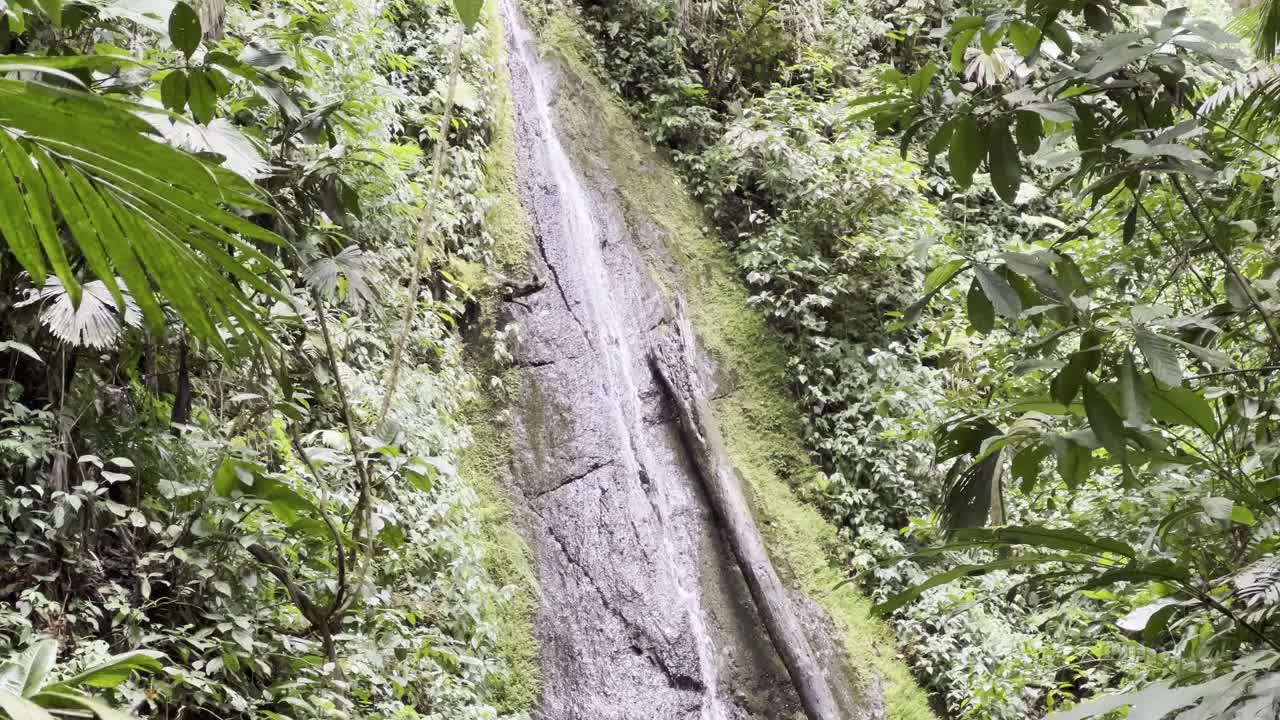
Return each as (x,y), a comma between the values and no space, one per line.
(589,296)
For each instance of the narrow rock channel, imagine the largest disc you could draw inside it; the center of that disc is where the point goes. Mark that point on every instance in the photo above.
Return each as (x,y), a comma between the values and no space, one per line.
(642,611)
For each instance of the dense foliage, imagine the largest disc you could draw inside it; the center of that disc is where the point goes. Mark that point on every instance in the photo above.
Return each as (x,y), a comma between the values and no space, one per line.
(1023,257)
(206,213)
(1088,362)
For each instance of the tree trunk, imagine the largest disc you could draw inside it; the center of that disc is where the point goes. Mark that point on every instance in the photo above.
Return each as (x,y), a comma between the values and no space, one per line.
(671,362)
(181,414)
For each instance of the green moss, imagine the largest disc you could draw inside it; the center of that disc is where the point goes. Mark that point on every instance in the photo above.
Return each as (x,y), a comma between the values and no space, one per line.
(517,686)
(506,221)
(759,419)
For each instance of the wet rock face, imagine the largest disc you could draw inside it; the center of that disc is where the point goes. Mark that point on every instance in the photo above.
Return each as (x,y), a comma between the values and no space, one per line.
(643,614)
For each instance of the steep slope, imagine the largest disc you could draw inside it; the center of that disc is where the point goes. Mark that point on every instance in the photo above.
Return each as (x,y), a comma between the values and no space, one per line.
(642,611)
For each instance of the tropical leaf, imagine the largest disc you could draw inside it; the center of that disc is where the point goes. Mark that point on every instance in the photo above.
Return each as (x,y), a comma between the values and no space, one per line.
(1065,539)
(342,276)
(1259,582)
(95,323)
(973,497)
(166,222)
(111,672)
(1161,357)
(961,571)
(17,707)
(1226,697)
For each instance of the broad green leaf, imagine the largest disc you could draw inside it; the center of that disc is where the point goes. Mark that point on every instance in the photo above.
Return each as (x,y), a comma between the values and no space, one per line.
(1066,384)
(421,474)
(963,437)
(251,480)
(81,702)
(1060,37)
(23,348)
(1066,539)
(1161,357)
(1130,228)
(937,280)
(234,474)
(184,29)
(1237,294)
(174,91)
(942,274)
(113,243)
(955,573)
(1006,169)
(960,45)
(1217,508)
(966,151)
(1074,461)
(1243,515)
(77,218)
(1105,422)
(1135,398)
(1097,18)
(19,708)
(1026,466)
(17,19)
(1182,406)
(468,12)
(1136,620)
(1057,111)
(43,655)
(97,63)
(1086,127)
(919,81)
(1071,282)
(151,206)
(979,310)
(111,672)
(263,57)
(1029,129)
(941,139)
(1119,58)
(52,8)
(201,96)
(1004,299)
(1024,36)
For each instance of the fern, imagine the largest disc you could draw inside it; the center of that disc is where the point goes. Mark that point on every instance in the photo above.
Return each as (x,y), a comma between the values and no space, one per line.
(1240,88)
(1259,582)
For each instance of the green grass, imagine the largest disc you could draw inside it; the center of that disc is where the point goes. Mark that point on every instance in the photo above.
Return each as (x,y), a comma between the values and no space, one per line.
(759,418)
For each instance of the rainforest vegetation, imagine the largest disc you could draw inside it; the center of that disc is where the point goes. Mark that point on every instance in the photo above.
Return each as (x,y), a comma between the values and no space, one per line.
(1017,265)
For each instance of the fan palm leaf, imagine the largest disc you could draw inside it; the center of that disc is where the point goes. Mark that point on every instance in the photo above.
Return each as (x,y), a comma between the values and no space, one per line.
(166,222)
(94,323)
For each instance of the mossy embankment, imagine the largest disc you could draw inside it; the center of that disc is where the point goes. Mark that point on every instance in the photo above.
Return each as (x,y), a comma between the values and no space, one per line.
(516,686)
(759,417)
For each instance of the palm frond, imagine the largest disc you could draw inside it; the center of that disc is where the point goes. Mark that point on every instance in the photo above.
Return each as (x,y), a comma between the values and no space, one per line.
(166,222)
(1259,582)
(1241,88)
(96,322)
(342,277)
(1260,24)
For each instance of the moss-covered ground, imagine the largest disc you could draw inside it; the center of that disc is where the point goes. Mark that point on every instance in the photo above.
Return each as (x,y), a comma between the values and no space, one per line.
(517,686)
(759,418)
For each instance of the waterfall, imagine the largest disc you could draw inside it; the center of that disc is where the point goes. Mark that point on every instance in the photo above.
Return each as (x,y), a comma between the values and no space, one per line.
(642,613)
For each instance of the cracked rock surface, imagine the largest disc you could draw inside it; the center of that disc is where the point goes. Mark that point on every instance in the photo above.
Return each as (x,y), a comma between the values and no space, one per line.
(643,614)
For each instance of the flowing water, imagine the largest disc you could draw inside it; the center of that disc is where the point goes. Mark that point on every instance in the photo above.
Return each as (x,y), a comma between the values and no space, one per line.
(642,613)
